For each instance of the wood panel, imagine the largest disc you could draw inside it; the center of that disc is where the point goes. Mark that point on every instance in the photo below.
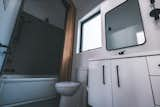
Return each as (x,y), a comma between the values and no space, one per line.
(66,65)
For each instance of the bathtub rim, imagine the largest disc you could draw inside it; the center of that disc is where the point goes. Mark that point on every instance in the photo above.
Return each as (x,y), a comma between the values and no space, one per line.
(27,78)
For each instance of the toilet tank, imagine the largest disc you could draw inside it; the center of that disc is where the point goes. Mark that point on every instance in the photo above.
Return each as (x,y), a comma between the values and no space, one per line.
(82,75)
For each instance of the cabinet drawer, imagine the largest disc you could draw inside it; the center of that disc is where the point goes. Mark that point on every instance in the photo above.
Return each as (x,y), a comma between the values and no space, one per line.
(154,65)
(156,88)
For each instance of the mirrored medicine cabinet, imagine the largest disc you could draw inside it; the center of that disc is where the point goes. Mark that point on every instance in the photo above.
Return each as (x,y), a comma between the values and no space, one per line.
(124,26)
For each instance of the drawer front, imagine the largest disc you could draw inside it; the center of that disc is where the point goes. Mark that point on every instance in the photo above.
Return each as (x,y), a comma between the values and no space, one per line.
(156,88)
(154,65)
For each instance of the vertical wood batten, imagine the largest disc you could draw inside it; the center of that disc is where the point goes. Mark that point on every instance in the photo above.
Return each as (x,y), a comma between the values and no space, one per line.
(66,65)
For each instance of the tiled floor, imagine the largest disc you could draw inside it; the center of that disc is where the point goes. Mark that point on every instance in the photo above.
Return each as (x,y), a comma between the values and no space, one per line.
(48,103)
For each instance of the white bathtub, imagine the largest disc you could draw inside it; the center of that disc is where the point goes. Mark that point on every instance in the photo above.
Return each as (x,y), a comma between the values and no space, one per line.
(22,89)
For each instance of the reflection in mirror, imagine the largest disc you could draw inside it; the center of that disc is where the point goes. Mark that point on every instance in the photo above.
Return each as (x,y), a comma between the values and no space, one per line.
(124,26)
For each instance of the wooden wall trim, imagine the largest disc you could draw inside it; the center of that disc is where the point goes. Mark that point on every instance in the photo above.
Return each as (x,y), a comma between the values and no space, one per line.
(66,64)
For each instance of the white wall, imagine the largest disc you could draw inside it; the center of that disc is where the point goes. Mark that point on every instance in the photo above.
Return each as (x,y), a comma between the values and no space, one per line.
(52,9)
(80,60)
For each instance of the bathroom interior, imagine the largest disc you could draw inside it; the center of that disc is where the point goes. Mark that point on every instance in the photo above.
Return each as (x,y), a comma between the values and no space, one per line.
(79,53)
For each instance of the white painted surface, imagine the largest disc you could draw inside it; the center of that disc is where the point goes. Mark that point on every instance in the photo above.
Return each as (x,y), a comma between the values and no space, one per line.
(99,94)
(20,90)
(154,65)
(7,22)
(156,88)
(54,10)
(135,89)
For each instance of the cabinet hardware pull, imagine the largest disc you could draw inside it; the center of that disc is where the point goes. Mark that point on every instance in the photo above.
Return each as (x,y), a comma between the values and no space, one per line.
(155,12)
(103,67)
(118,79)
(152,1)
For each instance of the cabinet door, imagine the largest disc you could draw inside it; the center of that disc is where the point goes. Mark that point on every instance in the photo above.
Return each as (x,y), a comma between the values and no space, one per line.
(99,85)
(156,88)
(131,84)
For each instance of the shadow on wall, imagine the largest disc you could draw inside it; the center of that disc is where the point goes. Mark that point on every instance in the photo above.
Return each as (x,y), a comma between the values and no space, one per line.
(36,48)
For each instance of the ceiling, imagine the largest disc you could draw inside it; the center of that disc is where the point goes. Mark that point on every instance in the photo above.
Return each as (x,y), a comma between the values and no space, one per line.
(54,10)
(86,5)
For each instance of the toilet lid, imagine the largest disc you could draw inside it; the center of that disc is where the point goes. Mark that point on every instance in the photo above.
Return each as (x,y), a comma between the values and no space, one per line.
(67,84)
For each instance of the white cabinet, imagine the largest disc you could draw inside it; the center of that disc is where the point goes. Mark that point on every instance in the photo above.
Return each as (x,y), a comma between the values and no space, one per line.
(121,83)
(99,85)
(154,65)
(154,69)
(156,88)
(131,84)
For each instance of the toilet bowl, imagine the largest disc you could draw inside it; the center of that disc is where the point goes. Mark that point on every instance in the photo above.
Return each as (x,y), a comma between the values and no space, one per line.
(67,90)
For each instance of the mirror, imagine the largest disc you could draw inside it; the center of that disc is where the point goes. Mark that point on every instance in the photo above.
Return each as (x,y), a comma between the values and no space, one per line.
(124,27)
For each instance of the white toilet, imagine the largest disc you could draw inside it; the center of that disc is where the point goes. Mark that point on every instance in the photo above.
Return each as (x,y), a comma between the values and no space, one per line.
(67,90)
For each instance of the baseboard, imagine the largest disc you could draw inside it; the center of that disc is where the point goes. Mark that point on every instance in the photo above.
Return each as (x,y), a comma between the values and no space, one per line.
(28,102)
